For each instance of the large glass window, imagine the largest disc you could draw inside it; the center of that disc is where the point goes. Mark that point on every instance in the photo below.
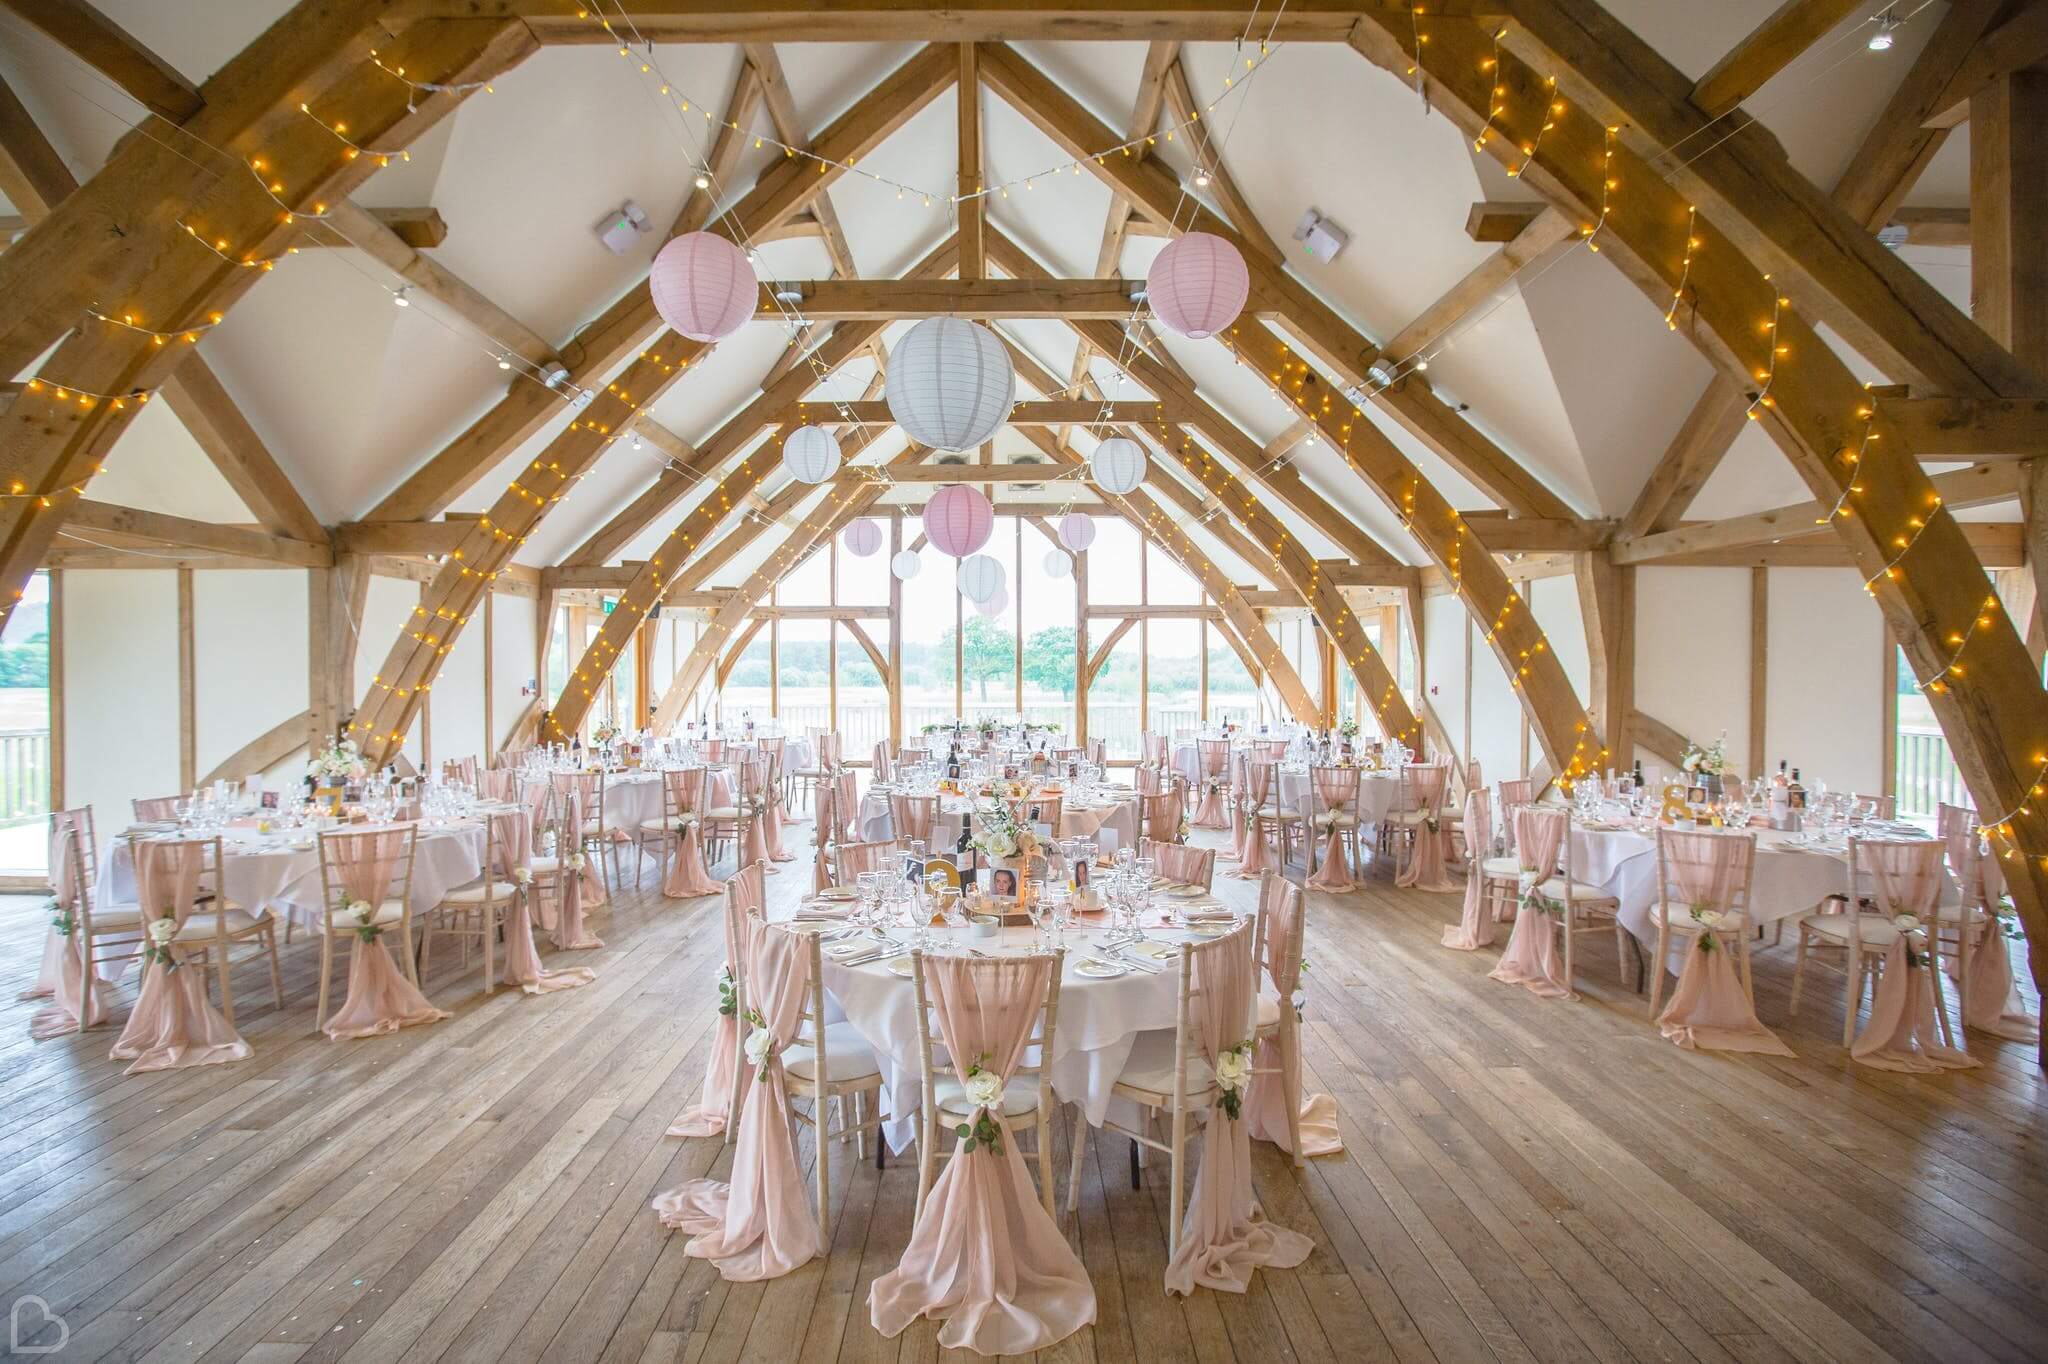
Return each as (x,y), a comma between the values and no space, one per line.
(931,607)
(25,732)
(1233,695)
(1046,627)
(1173,675)
(749,687)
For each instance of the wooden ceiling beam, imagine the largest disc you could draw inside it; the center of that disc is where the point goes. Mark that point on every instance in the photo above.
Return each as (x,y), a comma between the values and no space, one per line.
(115,53)
(1180,100)
(216,423)
(1963,428)
(1501,222)
(246,542)
(1821,256)
(2020,42)
(1479,287)
(1503,533)
(886,300)
(1701,443)
(32,176)
(1932,226)
(419,229)
(782,115)
(1769,48)
(971,208)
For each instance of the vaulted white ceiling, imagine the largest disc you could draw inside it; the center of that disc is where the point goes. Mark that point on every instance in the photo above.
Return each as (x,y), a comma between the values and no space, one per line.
(1572,372)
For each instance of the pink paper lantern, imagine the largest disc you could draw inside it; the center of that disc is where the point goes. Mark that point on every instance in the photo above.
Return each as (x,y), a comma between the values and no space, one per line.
(958,520)
(1077,531)
(996,604)
(703,286)
(1198,285)
(863,538)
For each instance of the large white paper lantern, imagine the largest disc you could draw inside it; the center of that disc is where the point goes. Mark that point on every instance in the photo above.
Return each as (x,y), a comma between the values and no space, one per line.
(703,286)
(1057,565)
(1077,531)
(811,454)
(950,383)
(995,605)
(863,538)
(906,565)
(979,578)
(958,519)
(1198,284)
(1118,465)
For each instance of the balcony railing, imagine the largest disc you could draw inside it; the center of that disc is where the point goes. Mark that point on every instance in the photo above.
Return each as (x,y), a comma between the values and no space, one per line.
(864,724)
(1927,775)
(24,775)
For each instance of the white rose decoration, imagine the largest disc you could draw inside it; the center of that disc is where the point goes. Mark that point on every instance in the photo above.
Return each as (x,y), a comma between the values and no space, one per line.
(523,875)
(1905,923)
(1233,1068)
(576,862)
(984,1089)
(162,931)
(760,1043)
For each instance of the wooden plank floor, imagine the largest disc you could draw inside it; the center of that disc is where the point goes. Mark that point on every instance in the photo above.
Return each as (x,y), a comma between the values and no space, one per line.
(1523,1179)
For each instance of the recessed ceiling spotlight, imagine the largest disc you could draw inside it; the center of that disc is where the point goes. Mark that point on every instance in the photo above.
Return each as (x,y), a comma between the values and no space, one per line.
(1422,364)
(703,180)
(1881,41)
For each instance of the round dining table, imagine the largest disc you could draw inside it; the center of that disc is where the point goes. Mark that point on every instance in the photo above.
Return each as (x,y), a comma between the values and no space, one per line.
(1100,1018)
(1115,809)
(631,798)
(279,870)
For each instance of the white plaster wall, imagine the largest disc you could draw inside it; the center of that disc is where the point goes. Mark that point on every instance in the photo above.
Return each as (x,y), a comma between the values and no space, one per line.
(249,666)
(1825,699)
(512,638)
(120,642)
(1555,604)
(458,696)
(1692,654)
(1443,647)
(387,609)
(1496,717)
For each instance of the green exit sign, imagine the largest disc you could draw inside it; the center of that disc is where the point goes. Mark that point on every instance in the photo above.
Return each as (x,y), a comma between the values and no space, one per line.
(609,603)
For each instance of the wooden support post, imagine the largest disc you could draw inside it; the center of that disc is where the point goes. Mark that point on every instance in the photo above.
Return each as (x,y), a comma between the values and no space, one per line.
(188,698)
(1607,609)
(1760,666)
(56,702)
(895,678)
(1081,647)
(972,210)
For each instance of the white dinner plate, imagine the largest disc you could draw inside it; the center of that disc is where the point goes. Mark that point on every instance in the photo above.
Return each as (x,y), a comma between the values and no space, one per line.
(1101,970)
(901,966)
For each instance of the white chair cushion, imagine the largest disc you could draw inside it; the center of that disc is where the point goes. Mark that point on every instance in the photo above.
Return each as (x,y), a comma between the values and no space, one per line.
(847,1056)
(544,865)
(1020,1096)
(1150,1066)
(483,892)
(1683,922)
(724,812)
(1504,868)
(117,919)
(662,826)
(199,927)
(1557,888)
(390,912)
(1877,929)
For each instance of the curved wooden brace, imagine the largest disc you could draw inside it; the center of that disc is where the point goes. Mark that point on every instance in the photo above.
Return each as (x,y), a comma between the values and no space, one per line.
(875,655)
(266,750)
(1102,650)
(1244,655)
(1982,684)
(739,646)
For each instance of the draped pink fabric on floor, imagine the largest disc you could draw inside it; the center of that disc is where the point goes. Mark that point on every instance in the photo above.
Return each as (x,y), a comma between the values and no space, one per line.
(760,1225)
(513,837)
(61,976)
(573,884)
(173,1025)
(1225,1236)
(1903,1033)
(1265,1108)
(1258,789)
(1336,793)
(1214,758)
(1426,867)
(63,890)
(686,876)
(1532,957)
(1475,929)
(771,828)
(1235,852)
(985,1257)
(1991,997)
(708,1118)
(380,998)
(1710,1009)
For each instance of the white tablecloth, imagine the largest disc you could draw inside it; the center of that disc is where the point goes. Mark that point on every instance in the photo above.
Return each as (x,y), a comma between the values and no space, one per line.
(631,798)
(263,871)
(1118,816)
(1099,1022)
(1788,879)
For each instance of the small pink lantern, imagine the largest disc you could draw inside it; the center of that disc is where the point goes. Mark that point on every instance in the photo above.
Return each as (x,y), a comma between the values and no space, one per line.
(1198,285)
(863,538)
(997,603)
(1077,531)
(958,520)
(703,286)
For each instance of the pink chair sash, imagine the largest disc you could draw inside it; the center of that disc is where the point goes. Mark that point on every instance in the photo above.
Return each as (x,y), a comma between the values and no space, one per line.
(1709,1009)
(1336,791)
(1258,788)
(687,876)
(173,1025)
(1991,997)
(501,785)
(1532,957)
(380,998)
(912,816)
(1902,1035)
(985,1257)
(708,1118)
(1426,867)
(573,883)
(1225,1236)
(1475,929)
(1209,811)
(76,1001)
(1277,1084)
(760,1225)
(513,836)
(1182,862)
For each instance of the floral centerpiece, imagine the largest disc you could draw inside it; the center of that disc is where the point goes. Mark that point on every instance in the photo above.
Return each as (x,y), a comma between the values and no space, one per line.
(342,762)
(606,731)
(999,837)
(1710,763)
(1349,729)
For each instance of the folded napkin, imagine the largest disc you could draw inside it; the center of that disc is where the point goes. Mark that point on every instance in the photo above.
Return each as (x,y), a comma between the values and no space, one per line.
(816,913)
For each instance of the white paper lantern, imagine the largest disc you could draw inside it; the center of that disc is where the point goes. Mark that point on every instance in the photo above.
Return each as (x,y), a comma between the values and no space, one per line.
(950,383)
(1198,284)
(703,286)
(979,578)
(811,454)
(1077,531)
(995,605)
(863,538)
(1118,465)
(1057,565)
(906,565)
